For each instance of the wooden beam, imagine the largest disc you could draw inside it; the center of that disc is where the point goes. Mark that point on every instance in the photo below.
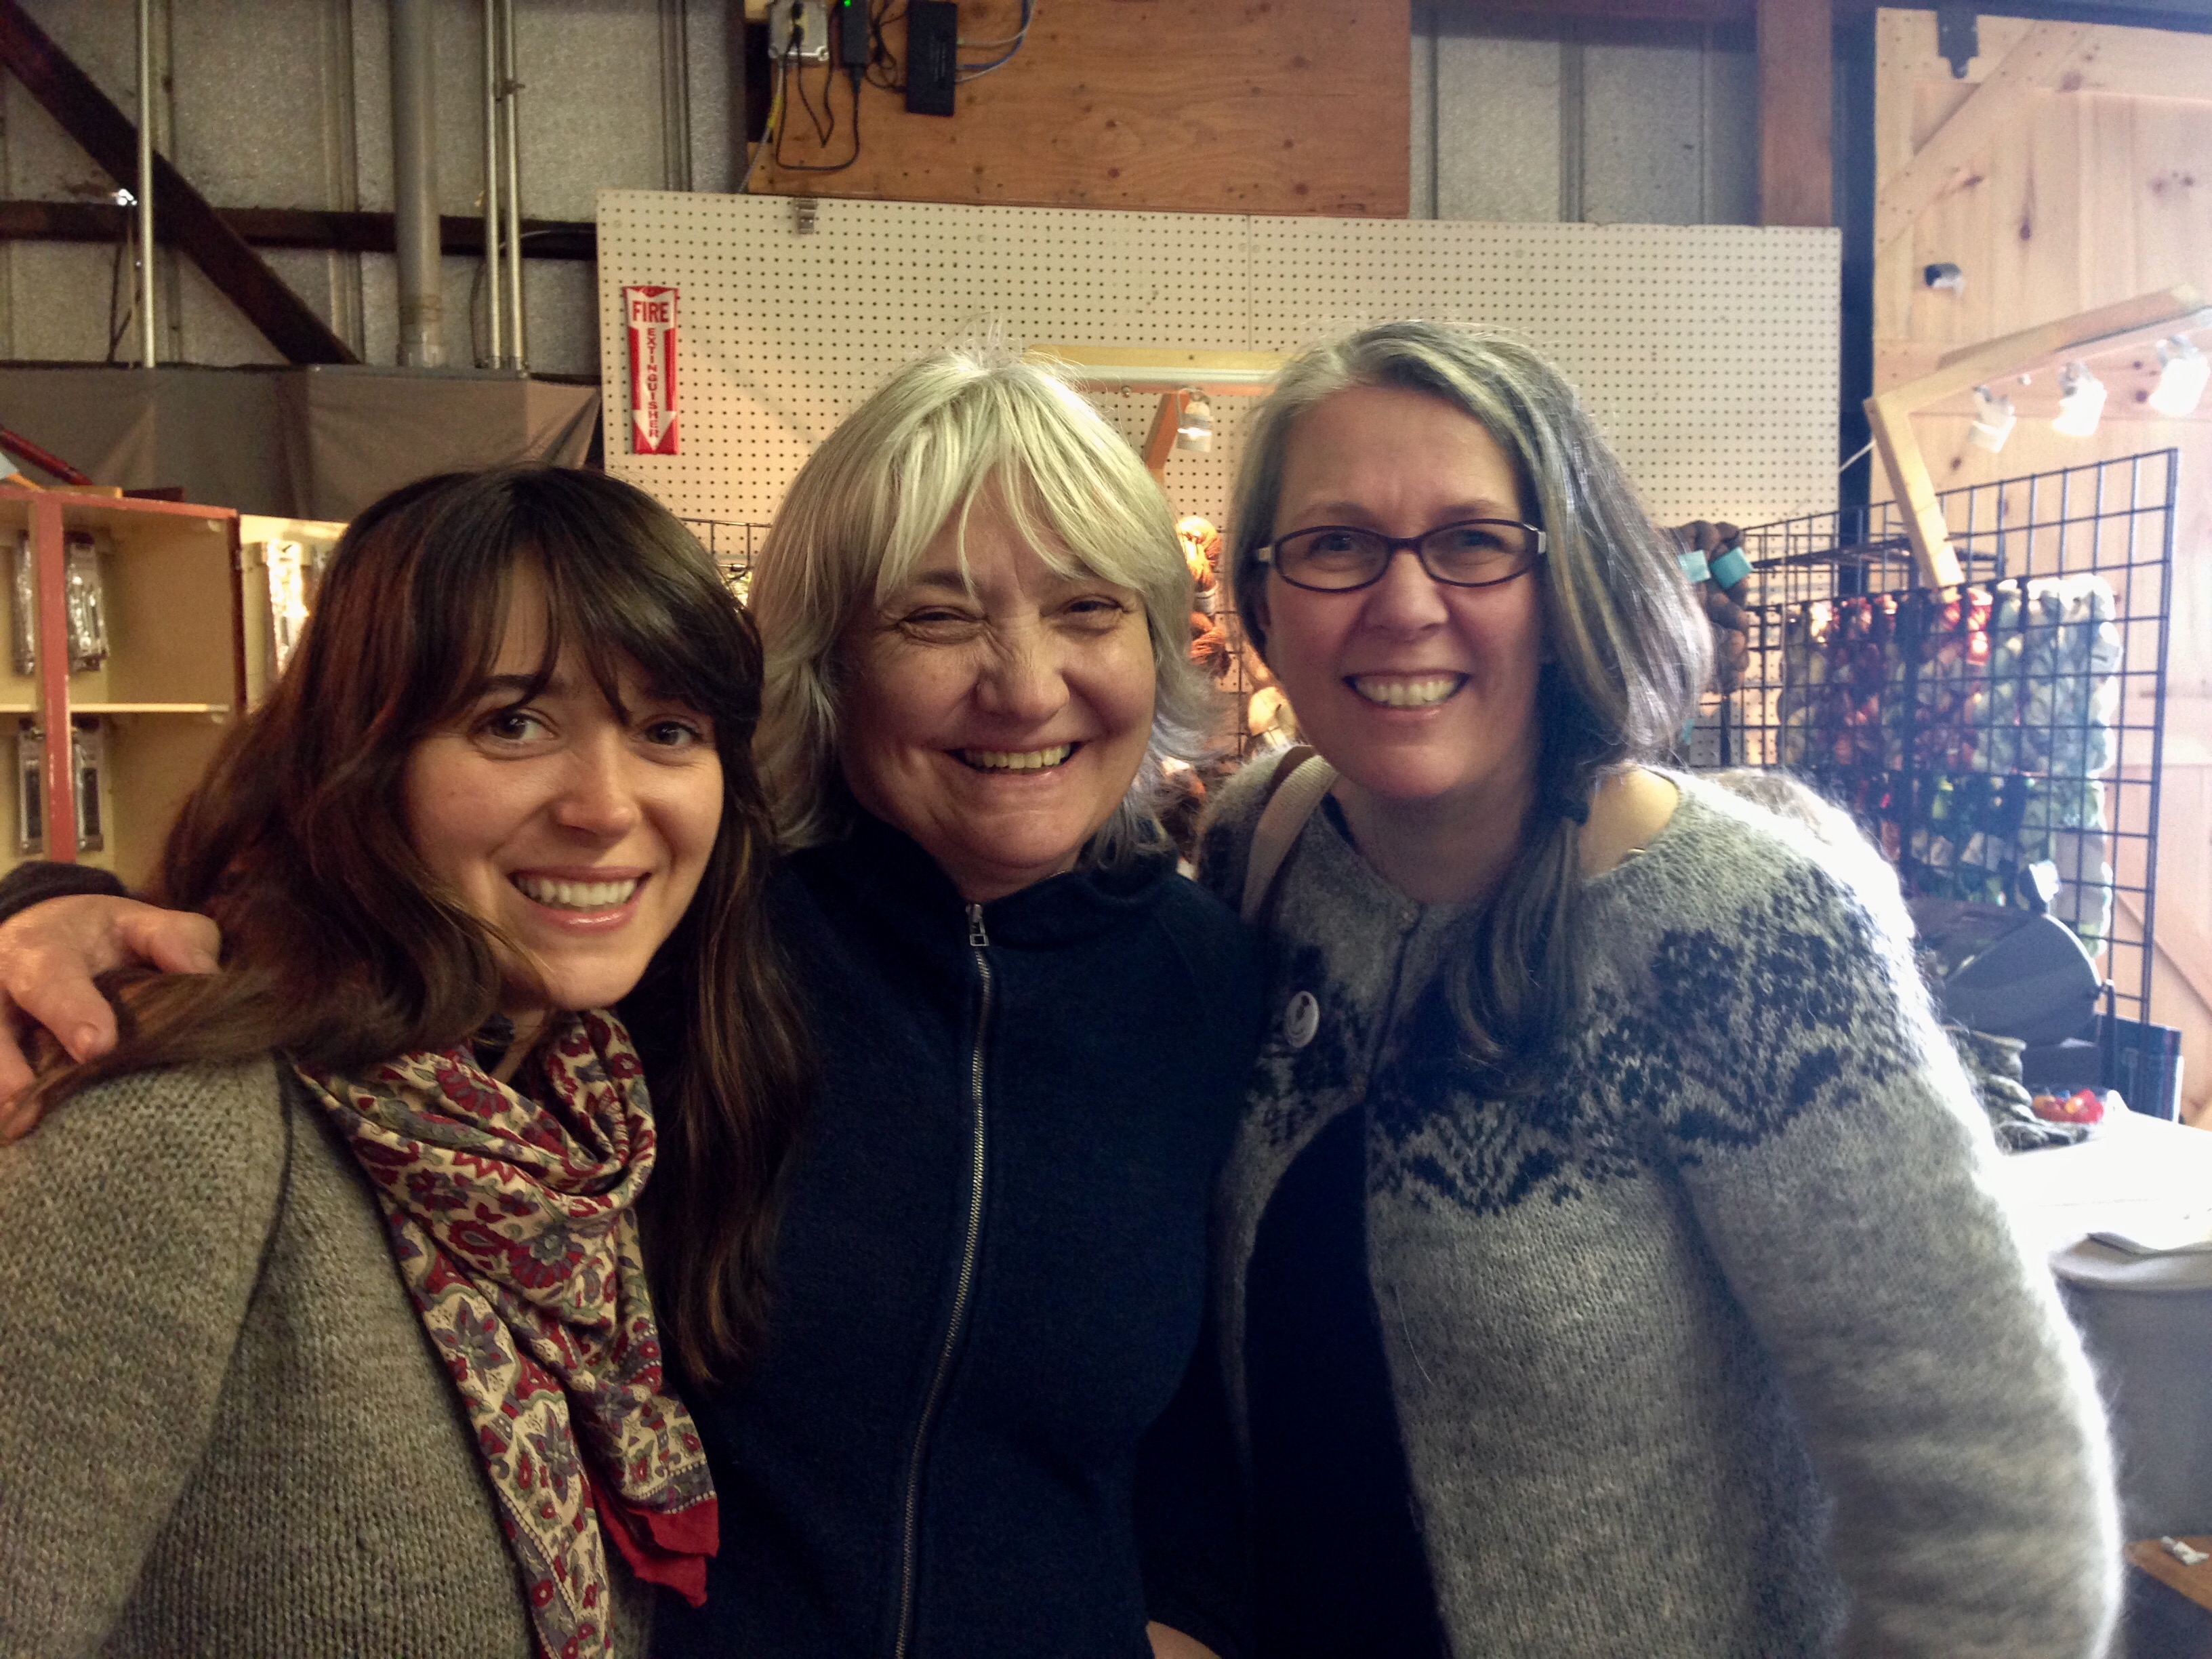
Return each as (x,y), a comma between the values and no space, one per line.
(1797,69)
(1613,11)
(296,228)
(1889,414)
(181,213)
(2037,63)
(1159,442)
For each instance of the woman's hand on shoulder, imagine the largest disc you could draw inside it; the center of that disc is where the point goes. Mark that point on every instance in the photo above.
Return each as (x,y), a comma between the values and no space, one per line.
(1169,1643)
(50,953)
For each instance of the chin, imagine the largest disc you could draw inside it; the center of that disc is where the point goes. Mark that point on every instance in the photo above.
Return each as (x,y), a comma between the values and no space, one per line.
(570,990)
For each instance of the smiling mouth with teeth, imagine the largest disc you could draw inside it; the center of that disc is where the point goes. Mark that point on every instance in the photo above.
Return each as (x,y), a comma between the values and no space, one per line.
(1017,760)
(576,895)
(1400,691)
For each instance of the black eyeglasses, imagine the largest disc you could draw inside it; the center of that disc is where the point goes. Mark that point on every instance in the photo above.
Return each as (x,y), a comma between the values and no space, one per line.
(1334,558)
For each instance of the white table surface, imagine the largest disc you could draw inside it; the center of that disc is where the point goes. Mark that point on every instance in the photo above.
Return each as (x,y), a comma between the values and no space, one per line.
(2138,1171)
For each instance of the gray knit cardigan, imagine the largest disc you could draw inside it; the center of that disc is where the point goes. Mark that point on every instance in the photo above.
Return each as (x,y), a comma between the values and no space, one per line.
(222,1428)
(1719,1348)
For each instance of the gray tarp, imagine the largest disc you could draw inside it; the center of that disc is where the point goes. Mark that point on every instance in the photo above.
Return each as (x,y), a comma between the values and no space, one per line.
(295,443)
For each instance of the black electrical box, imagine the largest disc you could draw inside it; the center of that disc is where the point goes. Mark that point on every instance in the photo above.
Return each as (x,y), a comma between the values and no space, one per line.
(932,56)
(848,34)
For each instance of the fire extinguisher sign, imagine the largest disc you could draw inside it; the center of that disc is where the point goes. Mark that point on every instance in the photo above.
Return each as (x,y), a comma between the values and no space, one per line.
(652,313)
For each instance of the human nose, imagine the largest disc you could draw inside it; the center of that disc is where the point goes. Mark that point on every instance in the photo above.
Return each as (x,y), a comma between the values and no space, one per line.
(1405,597)
(1024,681)
(598,796)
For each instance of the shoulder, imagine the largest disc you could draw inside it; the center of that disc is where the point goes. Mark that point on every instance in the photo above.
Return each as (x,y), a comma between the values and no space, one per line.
(1727,863)
(1762,957)
(1232,812)
(148,1201)
(205,1139)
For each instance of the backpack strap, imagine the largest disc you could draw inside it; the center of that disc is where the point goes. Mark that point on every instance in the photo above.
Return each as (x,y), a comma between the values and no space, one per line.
(1302,778)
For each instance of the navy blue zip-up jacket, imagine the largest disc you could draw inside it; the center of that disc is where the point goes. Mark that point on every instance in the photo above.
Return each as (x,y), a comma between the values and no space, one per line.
(981,1424)
(956,1442)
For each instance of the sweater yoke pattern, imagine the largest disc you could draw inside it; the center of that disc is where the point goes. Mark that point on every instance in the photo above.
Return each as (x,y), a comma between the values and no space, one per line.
(1730,1031)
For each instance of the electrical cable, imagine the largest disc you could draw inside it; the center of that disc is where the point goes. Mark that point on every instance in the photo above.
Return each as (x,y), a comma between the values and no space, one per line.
(1847,465)
(854,75)
(885,69)
(768,130)
(971,71)
(823,130)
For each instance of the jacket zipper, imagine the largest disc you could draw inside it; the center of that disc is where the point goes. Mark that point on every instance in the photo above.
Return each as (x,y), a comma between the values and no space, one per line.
(979,941)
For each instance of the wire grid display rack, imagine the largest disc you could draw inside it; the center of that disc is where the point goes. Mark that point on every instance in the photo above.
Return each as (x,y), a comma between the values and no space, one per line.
(1979,732)
(732,545)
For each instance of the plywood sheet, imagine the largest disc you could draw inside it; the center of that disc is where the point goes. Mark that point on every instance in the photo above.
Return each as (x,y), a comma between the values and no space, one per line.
(1707,353)
(1199,106)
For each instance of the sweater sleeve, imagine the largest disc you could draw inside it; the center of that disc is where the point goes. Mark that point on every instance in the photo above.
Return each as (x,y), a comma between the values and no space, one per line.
(38,880)
(132,1228)
(1837,1166)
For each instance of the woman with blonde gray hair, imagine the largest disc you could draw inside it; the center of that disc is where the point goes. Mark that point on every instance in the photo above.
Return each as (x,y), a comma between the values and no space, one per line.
(979,1421)
(1604,1266)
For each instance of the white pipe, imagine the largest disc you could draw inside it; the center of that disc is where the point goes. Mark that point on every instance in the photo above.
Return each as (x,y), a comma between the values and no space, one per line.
(494,299)
(146,353)
(414,187)
(513,204)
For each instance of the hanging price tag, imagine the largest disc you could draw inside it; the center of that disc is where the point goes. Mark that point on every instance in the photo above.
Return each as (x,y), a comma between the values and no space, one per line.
(651,313)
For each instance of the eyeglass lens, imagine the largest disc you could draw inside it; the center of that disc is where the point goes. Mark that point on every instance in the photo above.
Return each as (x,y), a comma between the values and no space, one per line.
(1470,555)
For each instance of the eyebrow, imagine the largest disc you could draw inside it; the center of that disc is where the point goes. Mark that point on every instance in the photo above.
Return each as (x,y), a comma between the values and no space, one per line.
(943,581)
(520,685)
(1479,506)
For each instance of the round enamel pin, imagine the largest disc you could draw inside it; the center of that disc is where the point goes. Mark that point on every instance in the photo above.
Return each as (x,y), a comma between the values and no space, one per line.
(1301,1019)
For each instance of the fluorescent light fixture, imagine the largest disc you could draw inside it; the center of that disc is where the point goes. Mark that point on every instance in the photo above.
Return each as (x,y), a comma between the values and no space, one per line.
(1195,430)
(2080,401)
(2182,369)
(1993,420)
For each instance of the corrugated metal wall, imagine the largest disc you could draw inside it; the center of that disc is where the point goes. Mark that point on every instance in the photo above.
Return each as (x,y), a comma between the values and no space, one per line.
(1574,120)
(287,103)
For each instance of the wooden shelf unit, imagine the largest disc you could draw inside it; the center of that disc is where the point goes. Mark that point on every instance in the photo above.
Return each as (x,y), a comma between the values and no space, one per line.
(258,536)
(173,678)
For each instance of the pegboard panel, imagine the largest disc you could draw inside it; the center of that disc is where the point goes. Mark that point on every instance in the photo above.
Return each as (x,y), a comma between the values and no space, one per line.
(1707,353)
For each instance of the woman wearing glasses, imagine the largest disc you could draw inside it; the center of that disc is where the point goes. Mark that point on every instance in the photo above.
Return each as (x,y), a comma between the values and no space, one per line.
(1604,1266)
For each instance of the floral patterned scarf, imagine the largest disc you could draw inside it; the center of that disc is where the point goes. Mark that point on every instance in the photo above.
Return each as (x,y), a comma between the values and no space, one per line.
(514,1225)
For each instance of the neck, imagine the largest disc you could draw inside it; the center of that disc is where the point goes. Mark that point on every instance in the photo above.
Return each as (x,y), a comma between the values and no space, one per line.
(1448,849)
(529,1026)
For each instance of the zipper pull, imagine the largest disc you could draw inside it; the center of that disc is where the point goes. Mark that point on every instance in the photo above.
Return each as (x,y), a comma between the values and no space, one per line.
(976,937)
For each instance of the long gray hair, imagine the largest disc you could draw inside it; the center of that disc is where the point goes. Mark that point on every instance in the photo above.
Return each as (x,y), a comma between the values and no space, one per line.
(862,512)
(1630,650)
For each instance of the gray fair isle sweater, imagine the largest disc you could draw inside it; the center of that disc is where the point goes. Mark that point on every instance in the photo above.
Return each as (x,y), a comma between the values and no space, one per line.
(1720,1348)
(224,1430)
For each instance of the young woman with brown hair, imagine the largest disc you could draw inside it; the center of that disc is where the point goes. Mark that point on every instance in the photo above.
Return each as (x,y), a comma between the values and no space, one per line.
(508,770)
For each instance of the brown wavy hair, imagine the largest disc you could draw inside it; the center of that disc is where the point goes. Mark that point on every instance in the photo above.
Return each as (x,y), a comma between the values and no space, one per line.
(340,947)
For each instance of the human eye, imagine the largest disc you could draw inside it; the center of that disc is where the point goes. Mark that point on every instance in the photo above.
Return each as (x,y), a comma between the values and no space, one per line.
(936,622)
(677,733)
(1481,535)
(1476,547)
(512,726)
(1098,610)
(1330,548)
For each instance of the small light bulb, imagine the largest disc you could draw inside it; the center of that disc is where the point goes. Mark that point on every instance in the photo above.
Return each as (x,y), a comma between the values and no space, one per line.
(2080,401)
(1196,430)
(2182,373)
(1993,420)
